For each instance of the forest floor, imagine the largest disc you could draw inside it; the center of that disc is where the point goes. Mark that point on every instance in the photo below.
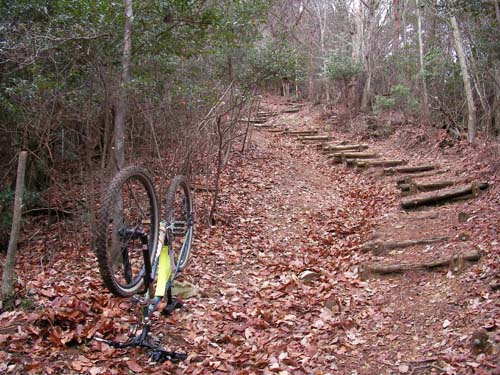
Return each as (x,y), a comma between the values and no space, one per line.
(285,209)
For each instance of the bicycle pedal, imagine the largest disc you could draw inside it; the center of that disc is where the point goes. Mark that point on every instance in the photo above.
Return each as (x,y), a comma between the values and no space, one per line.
(178,228)
(138,300)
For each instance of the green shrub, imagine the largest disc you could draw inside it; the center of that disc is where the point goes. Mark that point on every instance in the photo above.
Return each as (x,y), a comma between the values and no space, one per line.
(341,67)
(383,102)
(400,98)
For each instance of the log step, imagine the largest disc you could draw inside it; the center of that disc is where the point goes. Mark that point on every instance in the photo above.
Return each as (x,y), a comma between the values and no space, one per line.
(277,130)
(314,138)
(378,247)
(301,133)
(411,187)
(362,164)
(266,114)
(409,179)
(343,156)
(325,145)
(444,195)
(263,126)
(330,149)
(453,261)
(411,169)
(252,120)
(292,109)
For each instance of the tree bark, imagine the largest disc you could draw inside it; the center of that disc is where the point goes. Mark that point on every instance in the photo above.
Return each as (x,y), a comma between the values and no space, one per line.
(213,206)
(497,10)
(10,261)
(396,26)
(425,96)
(471,108)
(121,104)
(368,53)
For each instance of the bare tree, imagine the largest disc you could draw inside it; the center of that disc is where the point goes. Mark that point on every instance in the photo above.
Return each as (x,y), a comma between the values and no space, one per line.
(396,25)
(425,95)
(471,108)
(121,104)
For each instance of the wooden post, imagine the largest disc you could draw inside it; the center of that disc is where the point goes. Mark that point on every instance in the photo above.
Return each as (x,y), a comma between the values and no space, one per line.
(10,261)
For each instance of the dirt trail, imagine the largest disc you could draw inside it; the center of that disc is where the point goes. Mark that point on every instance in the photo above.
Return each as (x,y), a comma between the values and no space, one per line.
(280,277)
(287,211)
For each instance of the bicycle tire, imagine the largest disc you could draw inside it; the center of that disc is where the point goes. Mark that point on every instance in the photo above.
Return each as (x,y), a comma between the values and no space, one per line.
(183,213)
(118,250)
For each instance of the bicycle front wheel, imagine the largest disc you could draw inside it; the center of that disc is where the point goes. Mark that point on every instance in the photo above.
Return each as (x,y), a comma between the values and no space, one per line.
(128,218)
(180,219)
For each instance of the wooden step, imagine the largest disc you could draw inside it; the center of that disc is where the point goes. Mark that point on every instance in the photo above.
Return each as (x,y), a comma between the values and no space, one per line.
(301,133)
(363,164)
(262,126)
(331,149)
(344,156)
(409,169)
(252,120)
(378,247)
(411,187)
(409,179)
(444,195)
(292,109)
(314,138)
(277,130)
(456,260)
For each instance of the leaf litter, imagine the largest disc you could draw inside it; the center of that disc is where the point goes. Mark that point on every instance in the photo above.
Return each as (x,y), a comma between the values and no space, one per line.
(283,210)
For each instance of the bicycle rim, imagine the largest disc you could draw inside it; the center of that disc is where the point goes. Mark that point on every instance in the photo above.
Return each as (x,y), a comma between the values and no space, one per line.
(128,214)
(181,221)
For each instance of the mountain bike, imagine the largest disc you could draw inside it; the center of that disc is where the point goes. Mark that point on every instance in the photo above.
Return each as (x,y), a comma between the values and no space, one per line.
(139,256)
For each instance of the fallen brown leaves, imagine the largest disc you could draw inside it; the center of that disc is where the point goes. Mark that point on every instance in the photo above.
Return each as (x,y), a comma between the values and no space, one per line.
(283,210)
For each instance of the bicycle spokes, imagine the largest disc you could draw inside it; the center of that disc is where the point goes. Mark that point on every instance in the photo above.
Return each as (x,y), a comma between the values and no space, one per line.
(128,220)
(180,221)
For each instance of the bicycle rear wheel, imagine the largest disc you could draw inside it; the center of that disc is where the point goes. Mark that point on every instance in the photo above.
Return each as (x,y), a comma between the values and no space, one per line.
(180,219)
(128,217)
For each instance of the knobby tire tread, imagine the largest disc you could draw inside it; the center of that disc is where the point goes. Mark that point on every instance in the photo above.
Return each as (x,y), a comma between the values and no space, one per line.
(179,181)
(105,268)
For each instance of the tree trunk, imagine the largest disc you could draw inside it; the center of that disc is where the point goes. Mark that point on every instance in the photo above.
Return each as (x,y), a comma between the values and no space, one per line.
(403,18)
(220,135)
(396,26)
(121,105)
(368,52)
(10,261)
(425,95)
(497,10)
(471,108)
